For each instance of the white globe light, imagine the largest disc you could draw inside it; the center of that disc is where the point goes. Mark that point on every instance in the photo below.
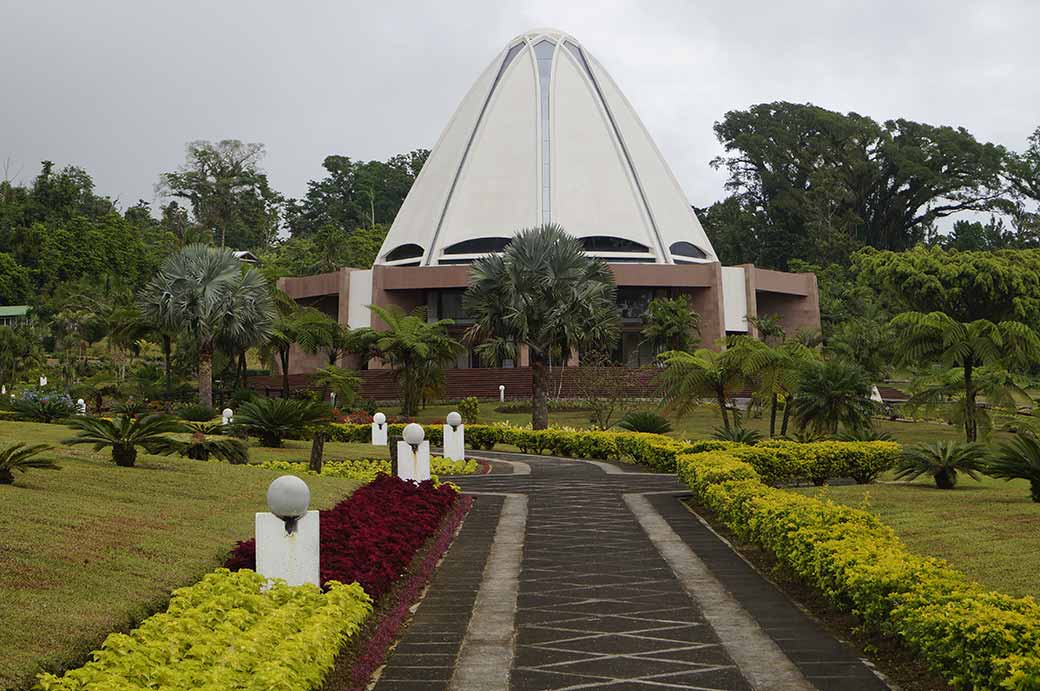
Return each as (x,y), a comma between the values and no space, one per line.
(454,419)
(501,387)
(288,497)
(227,413)
(413,433)
(379,419)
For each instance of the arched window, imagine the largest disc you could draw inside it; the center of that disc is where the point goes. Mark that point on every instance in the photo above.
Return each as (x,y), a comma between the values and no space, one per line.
(409,251)
(687,249)
(478,246)
(604,243)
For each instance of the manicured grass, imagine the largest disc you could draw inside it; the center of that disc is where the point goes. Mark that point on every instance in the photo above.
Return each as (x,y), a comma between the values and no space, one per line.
(700,423)
(301,451)
(93,548)
(989,529)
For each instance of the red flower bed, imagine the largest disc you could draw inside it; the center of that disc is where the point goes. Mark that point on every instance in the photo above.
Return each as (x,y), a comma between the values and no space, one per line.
(371,536)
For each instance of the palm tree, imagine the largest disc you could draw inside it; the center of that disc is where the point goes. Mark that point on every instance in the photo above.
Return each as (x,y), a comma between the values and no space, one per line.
(1019,459)
(689,378)
(414,348)
(124,434)
(775,370)
(208,294)
(157,311)
(942,390)
(942,460)
(830,394)
(543,293)
(936,337)
(22,457)
(331,338)
(293,325)
(671,324)
(342,382)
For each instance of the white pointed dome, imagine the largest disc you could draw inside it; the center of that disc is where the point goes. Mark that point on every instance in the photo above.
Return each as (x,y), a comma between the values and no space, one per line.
(545,136)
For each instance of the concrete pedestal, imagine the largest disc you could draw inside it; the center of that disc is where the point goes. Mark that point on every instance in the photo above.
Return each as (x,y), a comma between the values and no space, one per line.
(379,434)
(413,465)
(454,442)
(291,557)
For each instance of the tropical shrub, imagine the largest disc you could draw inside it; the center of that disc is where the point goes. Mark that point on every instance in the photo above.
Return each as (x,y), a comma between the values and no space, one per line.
(865,434)
(124,434)
(740,435)
(972,637)
(22,458)
(43,408)
(943,460)
(371,536)
(201,448)
(275,419)
(225,632)
(469,409)
(645,421)
(833,393)
(130,408)
(196,412)
(1018,459)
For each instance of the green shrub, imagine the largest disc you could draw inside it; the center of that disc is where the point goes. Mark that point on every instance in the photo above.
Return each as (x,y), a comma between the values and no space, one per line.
(224,633)
(972,637)
(22,458)
(124,434)
(43,409)
(366,469)
(275,419)
(196,412)
(645,421)
(741,435)
(943,460)
(1019,459)
(469,409)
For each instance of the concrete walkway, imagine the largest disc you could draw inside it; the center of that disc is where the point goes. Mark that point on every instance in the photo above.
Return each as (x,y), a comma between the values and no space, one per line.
(589,575)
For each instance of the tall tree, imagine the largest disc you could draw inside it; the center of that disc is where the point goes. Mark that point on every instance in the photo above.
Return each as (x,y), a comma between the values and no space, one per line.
(209,295)
(936,337)
(817,184)
(545,293)
(689,378)
(228,192)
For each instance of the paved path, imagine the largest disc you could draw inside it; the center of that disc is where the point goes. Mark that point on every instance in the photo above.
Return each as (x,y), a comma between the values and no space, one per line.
(582,575)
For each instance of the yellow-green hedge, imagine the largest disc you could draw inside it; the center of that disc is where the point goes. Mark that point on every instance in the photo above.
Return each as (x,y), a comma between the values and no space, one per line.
(366,469)
(224,633)
(975,638)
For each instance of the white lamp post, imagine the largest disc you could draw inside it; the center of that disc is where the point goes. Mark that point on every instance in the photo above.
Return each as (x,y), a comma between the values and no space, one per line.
(227,416)
(502,393)
(379,429)
(81,407)
(287,538)
(454,439)
(413,454)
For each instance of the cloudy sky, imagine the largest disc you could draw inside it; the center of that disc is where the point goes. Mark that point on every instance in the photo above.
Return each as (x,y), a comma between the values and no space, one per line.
(119,86)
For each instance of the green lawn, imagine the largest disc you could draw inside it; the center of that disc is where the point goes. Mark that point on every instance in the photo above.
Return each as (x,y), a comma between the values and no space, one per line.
(301,451)
(700,423)
(988,529)
(93,548)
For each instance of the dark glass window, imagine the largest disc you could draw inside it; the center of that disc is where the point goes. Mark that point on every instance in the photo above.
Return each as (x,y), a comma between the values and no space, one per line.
(687,249)
(603,243)
(409,251)
(449,306)
(478,246)
(633,303)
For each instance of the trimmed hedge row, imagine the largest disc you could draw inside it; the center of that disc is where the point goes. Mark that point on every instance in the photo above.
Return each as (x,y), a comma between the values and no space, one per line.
(366,469)
(975,638)
(777,461)
(224,633)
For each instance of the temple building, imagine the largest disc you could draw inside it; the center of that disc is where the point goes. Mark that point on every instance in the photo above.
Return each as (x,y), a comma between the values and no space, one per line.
(546,136)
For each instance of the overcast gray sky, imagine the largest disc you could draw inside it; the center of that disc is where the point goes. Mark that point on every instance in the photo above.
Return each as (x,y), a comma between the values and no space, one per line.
(119,86)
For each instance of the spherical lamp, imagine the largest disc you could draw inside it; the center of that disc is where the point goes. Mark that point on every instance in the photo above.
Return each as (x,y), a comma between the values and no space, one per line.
(379,419)
(454,420)
(288,497)
(413,434)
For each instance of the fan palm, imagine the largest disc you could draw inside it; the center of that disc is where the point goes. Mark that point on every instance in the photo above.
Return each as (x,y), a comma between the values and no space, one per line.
(1019,459)
(543,293)
(830,394)
(206,293)
(942,460)
(936,337)
(274,419)
(22,457)
(125,434)
(414,348)
(689,378)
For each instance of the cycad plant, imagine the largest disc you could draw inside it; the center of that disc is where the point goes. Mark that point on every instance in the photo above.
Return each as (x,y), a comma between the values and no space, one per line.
(43,408)
(22,457)
(1019,459)
(125,434)
(741,435)
(274,419)
(201,448)
(645,421)
(943,460)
